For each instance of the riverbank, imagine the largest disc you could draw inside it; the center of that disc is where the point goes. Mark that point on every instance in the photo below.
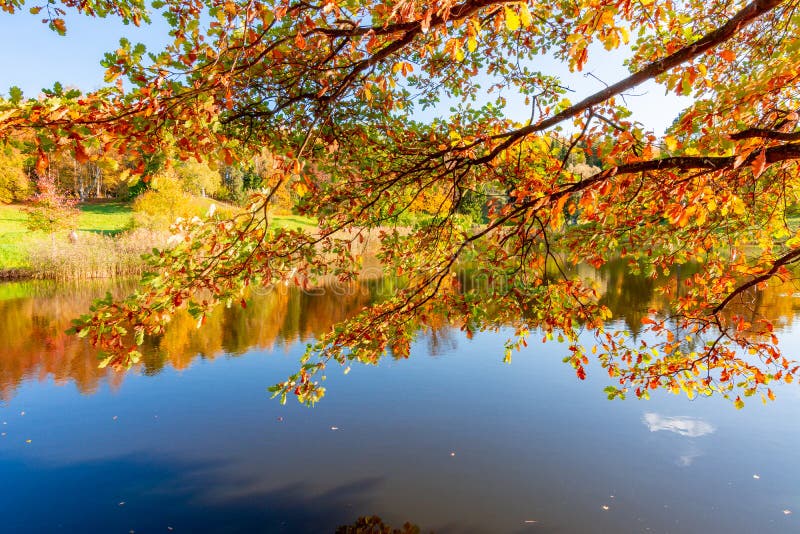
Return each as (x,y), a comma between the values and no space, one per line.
(106,244)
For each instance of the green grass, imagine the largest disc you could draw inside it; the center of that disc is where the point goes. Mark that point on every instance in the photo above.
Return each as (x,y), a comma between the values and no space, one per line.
(14,237)
(294,222)
(16,240)
(107,218)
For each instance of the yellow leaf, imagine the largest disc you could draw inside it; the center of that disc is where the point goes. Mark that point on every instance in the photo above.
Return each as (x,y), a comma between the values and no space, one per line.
(671,142)
(700,218)
(512,19)
(626,36)
(525,16)
(739,403)
(472,44)
(611,42)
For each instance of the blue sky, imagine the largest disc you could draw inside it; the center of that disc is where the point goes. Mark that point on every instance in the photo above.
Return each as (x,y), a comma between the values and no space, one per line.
(33,57)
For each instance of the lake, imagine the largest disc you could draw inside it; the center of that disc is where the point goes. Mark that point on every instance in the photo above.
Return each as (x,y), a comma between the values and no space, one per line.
(450,439)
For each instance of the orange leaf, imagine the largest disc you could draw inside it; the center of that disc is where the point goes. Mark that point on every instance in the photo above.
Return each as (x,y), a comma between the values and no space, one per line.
(741,158)
(42,163)
(80,154)
(759,164)
(59,26)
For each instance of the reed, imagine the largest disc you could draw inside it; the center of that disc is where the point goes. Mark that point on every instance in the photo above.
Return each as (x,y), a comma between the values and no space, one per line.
(93,255)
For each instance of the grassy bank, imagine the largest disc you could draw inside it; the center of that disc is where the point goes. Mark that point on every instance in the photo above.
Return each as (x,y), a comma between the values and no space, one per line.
(108,244)
(295,222)
(17,243)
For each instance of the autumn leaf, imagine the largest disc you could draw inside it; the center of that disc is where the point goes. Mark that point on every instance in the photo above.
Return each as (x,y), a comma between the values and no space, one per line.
(59,25)
(512,19)
(759,164)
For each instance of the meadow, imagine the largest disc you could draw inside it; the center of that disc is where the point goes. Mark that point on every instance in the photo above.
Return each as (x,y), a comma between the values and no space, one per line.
(109,242)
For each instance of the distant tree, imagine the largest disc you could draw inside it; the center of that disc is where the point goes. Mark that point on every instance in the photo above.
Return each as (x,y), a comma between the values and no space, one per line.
(14,181)
(51,211)
(198,178)
(233,183)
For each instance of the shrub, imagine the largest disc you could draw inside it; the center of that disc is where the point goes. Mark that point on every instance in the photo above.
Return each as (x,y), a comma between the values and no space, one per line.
(157,209)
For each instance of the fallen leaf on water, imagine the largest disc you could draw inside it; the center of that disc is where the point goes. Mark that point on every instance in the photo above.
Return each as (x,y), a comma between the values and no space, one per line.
(756,477)
(27,441)
(787,512)
(452,454)
(122,503)
(531,521)
(22,413)
(605,507)
(334,428)
(114,418)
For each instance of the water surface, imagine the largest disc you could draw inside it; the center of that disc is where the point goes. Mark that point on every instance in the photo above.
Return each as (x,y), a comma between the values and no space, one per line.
(451,439)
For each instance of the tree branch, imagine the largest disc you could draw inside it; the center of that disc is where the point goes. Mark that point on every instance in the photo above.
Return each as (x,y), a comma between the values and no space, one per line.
(741,19)
(765,133)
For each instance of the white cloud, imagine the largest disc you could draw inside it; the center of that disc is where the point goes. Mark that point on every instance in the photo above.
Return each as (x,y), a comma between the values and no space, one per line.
(685,426)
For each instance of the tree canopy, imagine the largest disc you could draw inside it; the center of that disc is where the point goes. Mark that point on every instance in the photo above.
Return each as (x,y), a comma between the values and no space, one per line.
(332,90)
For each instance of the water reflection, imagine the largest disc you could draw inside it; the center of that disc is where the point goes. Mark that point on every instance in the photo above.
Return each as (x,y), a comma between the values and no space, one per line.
(375,525)
(685,426)
(111,490)
(459,443)
(33,345)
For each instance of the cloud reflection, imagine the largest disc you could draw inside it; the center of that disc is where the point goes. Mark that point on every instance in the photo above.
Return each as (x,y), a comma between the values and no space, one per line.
(685,426)
(691,453)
